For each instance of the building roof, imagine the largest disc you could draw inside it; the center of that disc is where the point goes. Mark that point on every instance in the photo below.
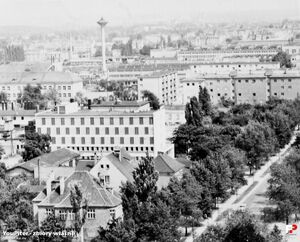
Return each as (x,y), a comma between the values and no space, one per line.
(54,158)
(186,162)
(25,78)
(178,107)
(87,112)
(165,164)
(19,112)
(96,195)
(123,165)
(121,104)
(15,67)
(85,165)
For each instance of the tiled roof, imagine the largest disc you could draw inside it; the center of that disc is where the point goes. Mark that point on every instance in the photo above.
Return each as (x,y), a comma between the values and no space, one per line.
(165,164)
(124,166)
(96,195)
(38,77)
(54,158)
(17,112)
(121,104)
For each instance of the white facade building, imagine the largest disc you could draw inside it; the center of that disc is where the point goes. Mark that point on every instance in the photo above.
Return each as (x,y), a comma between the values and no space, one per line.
(101,130)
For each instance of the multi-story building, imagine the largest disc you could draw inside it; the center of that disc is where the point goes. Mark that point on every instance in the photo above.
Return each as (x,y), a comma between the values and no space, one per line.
(137,128)
(244,87)
(66,84)
(204,56)
(164,85)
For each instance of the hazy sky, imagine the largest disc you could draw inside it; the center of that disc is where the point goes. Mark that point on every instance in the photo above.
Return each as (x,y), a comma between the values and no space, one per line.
(87,12)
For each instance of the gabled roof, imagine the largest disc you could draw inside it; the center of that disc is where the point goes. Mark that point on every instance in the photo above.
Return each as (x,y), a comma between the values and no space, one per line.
(123,165)
(165,164)
(96,195)
(54,158)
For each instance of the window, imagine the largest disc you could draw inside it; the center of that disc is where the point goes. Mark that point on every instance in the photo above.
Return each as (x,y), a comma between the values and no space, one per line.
(121,120)
(92,140)
(116,130)
(126,130)
(62,121)
(48,131)
(112,213)
(72,121)
(53,121)
(83,140)
(112,140)
(254,94)
(82,121)
(53,140)
(71,215)
(69,94)
(131,120)
(136,130)
(121,140)
(67,130)
(69,87)
(107,180)
(64,88)
(97,131)
(39,130)
(151,120)
(92,121)
(111,121)
(43,121)
(57,130)
(146,130)
(131,140)
(73,140)
(63,140)
(240,94)
(49,211)
(77,130)
(141,120)
(102,140)
(106,130)
(87,130)
(141,140)
(101,121)
(151,140)
(91,214)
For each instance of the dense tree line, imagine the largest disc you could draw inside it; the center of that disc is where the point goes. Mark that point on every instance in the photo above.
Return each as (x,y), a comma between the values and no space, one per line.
(221,149)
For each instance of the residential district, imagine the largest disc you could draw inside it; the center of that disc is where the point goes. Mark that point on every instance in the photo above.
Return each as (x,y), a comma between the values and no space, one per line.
(151,133)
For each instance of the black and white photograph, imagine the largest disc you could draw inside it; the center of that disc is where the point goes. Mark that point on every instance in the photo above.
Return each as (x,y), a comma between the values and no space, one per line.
(149,120)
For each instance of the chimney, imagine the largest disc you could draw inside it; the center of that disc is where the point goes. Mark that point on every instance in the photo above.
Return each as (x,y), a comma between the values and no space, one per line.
(117,153)
(48,186)
(12,106)
(89,103)
(62,185)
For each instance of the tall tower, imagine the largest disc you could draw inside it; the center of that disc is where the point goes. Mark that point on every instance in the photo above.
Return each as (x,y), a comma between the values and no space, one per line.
(102,24)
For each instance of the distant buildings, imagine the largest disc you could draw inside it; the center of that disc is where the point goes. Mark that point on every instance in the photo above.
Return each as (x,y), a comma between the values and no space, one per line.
(205,56)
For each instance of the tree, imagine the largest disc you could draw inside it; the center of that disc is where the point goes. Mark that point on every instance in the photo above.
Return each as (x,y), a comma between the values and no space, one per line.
(52,96)
(240,226)
(186,195)
(3,97)
(204,100)
(275,235)
(283,189)
(79,208)
(154,102)
(145,50)
(283,58)
(258,142)
(2,151)
(146,213)
(32,97)
(35,144)
(2,171)
(193,112)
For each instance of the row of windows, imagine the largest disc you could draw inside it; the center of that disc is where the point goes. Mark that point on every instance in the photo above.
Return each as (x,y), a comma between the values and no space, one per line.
(64,94)
(58,87)
(109,148)
(100,121)
(96,131)
(113,140)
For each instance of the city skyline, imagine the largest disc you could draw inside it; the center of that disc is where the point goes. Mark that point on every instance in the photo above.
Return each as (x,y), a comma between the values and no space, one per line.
(78,13)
